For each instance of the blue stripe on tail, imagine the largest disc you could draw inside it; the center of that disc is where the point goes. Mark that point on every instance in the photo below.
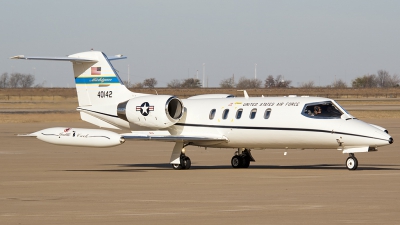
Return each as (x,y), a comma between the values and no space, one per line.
(97,80)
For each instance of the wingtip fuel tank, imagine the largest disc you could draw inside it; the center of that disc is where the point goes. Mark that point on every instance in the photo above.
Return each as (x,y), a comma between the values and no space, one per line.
(79,137)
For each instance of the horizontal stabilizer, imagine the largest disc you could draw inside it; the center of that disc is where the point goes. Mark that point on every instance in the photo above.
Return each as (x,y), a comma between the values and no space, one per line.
(53,58)
(116,57)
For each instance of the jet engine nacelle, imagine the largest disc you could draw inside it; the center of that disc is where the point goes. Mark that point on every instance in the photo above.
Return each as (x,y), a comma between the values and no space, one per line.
(79,137)
(153,111)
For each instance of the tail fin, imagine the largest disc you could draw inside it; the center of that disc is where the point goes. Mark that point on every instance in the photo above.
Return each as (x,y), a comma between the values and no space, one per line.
(97,82)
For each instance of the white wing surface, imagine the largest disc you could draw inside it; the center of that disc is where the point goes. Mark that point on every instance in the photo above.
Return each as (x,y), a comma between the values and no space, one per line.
(174,138)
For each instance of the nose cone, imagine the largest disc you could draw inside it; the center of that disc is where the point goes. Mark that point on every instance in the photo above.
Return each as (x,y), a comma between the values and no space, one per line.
(381,137)
(390,140)
(367,134)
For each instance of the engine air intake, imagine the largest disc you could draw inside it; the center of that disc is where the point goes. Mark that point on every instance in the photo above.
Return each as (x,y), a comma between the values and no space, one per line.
(174,108)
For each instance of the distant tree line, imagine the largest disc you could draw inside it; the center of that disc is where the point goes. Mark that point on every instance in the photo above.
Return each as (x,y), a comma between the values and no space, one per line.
(17,80)
(147,83)
(175,83)
(185,83)
(382,79)
(243,83)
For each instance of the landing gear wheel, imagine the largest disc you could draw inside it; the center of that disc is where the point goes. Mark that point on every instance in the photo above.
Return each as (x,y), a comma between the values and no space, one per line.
(237,161)
(246,161)
(352,163)
(186,163)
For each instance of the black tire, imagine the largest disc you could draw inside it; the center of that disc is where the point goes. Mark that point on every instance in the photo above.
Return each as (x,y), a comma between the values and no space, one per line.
(237,162)
(187,163)
(351,163)
(246,162)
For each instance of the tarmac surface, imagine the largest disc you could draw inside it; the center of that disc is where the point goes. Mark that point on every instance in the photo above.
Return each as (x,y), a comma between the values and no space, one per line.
(133,183)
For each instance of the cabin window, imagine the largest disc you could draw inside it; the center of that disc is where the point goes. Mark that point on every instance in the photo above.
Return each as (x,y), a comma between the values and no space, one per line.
(253,113)
(239,113)
(322,110)
(212,114)
(267,113)
(225,114)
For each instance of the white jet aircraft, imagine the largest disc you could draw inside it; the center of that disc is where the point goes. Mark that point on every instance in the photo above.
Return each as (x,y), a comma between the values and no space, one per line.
(211,121)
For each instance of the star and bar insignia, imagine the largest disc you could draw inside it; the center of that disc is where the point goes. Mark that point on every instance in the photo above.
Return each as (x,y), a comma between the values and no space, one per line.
(145,108)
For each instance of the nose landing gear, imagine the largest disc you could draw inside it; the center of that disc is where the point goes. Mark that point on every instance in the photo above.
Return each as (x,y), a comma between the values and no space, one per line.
(351,162)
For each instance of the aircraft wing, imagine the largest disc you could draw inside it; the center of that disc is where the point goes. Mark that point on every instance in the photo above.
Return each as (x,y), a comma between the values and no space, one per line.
(174,138)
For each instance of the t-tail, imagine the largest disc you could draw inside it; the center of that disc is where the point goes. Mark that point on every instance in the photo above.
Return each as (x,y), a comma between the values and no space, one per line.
(98,85)
(96,80)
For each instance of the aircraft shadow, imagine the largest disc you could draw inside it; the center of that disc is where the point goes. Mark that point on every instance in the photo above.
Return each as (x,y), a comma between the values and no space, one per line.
(162,166)
(116,170)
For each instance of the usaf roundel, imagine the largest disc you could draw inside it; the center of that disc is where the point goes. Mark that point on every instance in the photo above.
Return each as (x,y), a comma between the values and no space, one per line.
(145,108)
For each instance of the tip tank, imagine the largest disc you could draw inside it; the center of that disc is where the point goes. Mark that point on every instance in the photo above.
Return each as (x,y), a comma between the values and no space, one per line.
(78,137)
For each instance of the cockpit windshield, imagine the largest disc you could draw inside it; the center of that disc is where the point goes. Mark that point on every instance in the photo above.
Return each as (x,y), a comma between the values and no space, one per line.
(322,110)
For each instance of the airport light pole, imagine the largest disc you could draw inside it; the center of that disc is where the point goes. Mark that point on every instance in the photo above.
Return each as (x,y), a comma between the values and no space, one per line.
(129,82)
(255,71)
(204,72)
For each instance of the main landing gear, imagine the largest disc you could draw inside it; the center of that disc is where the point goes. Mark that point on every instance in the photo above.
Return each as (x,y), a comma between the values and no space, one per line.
(351,162)
(242,158)
(185,163)
(179,160)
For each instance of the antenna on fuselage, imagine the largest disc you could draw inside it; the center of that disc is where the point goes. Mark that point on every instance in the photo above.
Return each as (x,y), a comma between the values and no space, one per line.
(245,93)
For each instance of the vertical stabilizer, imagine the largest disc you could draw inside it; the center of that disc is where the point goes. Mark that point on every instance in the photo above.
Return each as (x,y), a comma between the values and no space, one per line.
(97,82)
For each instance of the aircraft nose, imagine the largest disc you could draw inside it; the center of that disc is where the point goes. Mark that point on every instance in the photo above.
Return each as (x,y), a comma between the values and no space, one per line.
(390,140)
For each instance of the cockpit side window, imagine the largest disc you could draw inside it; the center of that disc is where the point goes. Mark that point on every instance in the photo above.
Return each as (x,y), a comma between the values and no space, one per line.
(325,110)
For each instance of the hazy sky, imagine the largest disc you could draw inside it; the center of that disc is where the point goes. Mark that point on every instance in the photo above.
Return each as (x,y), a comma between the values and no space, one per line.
(301,40)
